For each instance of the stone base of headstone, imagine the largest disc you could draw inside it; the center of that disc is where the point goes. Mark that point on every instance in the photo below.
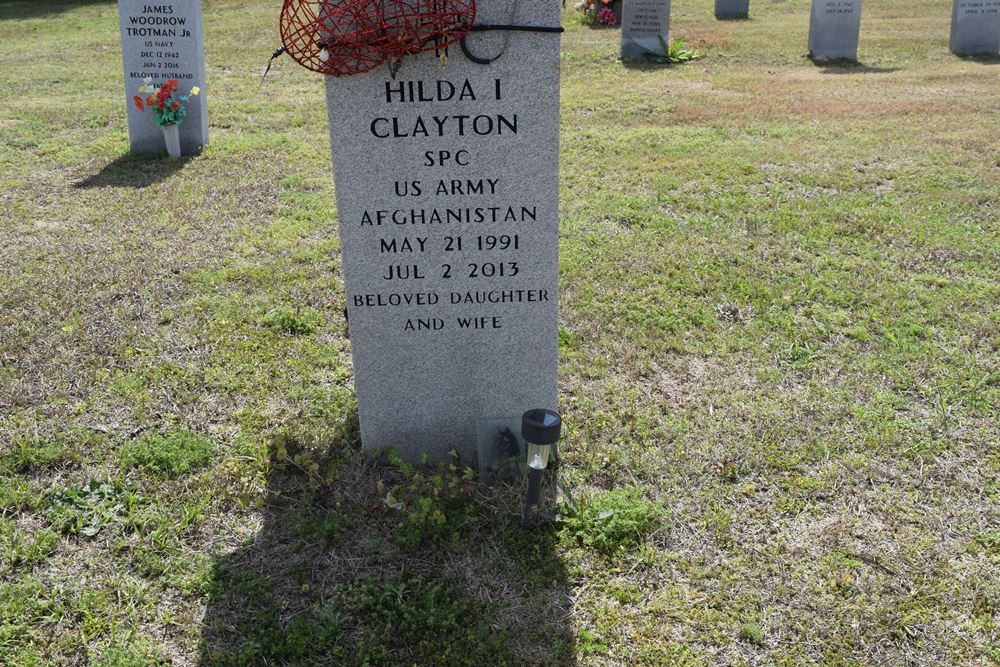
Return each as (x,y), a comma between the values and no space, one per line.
(834,29)
(732,9)
(975,27)
(645,28)
(163,40)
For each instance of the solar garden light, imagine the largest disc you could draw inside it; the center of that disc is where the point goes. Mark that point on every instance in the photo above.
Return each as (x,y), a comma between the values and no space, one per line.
(540,429)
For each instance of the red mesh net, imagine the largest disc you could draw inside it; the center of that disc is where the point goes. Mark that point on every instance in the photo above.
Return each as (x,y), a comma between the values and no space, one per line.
(341,37)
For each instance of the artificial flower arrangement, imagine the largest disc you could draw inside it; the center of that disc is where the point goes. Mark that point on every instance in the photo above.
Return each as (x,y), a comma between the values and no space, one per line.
(170,108)
(600,9)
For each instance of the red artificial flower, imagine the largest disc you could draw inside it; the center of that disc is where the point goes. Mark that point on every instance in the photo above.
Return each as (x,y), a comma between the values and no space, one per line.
(138,103)
(159,105)
(175,106)
(607,16)
(172,84)
(150,101)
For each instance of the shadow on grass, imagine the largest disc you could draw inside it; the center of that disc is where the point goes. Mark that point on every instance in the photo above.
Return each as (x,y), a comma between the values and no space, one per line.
(844,66)
(646,65)
(360,569)
(133,171)
(33,9)
(982,59)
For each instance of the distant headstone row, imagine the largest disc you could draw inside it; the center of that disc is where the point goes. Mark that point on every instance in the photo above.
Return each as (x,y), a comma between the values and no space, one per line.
(163,41)
(834,27)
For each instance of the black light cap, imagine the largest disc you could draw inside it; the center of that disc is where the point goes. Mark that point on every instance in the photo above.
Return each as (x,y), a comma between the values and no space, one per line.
(541,426)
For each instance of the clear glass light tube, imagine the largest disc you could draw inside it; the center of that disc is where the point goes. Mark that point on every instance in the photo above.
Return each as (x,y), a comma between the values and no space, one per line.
(538,455)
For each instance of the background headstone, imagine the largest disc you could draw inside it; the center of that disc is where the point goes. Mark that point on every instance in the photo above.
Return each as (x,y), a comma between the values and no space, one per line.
(732,9)
(975,27)
(834,28)
(645,26)
(447,183)
(163,39)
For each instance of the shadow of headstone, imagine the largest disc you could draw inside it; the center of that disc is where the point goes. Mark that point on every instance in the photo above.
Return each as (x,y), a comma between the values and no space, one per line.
(360,569)
(133,171)
(983,59)
(844,66)
(649,64)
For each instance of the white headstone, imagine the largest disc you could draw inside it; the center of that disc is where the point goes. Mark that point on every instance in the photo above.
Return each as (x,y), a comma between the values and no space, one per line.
(732,9)
(834,28)
(447,183)
(162,40)
(975,27)
(645,26)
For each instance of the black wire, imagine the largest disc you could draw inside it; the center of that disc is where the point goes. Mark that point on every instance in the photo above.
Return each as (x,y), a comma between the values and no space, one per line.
(484,27)
(516,28)
(277,52)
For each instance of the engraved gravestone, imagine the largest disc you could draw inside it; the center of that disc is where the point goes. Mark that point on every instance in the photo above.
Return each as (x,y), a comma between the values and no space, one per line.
(975,27)
(732,9)
(447,184)
(834,28)
(162,40)
(645,24)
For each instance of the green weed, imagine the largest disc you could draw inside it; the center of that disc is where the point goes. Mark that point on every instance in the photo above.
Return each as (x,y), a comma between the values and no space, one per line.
(433,503)
(412,620)
(611,521)
(27,452)
(674,52)
(168,455)
(590,643)
(294,322)
(19,547)
(85,509)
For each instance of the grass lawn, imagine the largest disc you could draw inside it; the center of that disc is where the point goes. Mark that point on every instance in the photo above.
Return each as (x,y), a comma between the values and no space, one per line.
(780,368)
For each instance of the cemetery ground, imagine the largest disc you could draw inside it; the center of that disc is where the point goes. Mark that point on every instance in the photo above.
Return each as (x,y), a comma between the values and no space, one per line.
(779,368)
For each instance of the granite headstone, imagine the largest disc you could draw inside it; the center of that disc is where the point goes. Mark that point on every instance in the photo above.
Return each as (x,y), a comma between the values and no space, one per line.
(732,9)
(162,40)
(975,27)
(645,26)
(447,184)
(834,29)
